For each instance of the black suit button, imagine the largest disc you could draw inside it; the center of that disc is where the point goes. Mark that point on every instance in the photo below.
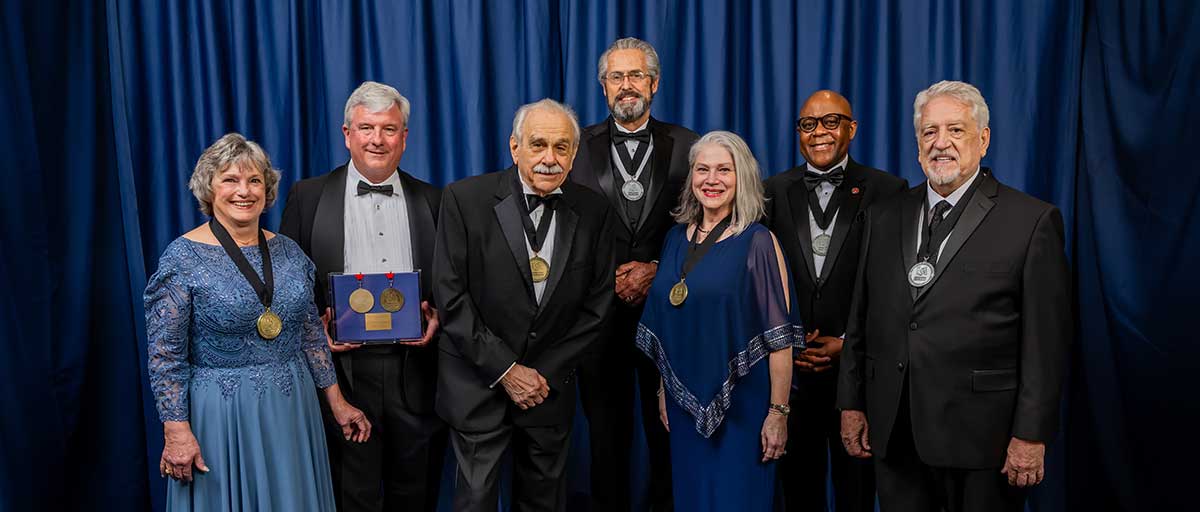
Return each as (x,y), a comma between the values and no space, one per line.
(817,295)
(900,367)
(533,335)
(912,326)
(634,244)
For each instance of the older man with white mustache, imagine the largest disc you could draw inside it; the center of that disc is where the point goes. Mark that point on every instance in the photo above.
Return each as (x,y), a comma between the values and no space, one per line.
(958,332)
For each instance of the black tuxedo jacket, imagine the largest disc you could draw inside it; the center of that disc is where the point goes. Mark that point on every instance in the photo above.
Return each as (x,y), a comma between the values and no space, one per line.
(982,346)
(824,299)
(315,216)
(669,171)
(489,315)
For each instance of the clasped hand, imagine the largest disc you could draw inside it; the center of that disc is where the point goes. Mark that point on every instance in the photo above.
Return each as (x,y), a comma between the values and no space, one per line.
(633,281)
(525,386)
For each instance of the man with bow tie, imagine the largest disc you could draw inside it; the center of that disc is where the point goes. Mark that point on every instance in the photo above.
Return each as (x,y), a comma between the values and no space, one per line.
(640,164)
(369,216)
(523,271)
(814,210)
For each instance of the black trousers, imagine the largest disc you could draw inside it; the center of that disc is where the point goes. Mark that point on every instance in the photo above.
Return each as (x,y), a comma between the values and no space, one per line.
(539,463)
(908,484)
(400,467)
(815,445)
(607,380)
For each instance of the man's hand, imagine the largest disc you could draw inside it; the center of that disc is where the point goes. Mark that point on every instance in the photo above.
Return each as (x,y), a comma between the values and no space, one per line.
(633,281)
(525,386)
(856,435)
(1025,464)
(335,347)
(431,326)
(819,358)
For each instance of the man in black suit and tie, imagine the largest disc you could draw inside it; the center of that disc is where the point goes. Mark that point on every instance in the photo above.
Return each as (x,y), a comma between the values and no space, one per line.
(640,164)
(955,352)
(815,211)
(370,216)
(523,275)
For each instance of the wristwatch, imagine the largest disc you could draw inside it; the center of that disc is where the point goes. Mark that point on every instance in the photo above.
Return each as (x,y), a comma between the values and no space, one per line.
(782,409)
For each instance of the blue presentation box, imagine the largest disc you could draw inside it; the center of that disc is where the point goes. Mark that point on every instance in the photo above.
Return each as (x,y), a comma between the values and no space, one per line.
(377,325)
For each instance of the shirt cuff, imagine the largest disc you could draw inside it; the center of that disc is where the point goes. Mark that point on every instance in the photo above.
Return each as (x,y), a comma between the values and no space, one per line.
(510,367)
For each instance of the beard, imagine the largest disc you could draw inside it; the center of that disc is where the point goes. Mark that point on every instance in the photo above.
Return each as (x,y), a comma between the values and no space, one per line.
(625,114)
(945,177)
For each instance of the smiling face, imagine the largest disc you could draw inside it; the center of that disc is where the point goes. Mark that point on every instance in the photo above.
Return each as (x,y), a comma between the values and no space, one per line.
(714,180)
(629,100)
(824,147)
(950,143)
(376,140)
(546,151)
(239,195)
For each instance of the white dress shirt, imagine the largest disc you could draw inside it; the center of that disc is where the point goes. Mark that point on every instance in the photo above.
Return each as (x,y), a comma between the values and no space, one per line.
(376,228)
(824,192)
(932,197)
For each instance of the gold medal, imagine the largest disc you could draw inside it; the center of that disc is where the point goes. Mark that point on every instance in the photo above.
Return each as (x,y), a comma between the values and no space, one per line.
(391,299)
(678,293)
(539,268)
(361,301)
(269,325)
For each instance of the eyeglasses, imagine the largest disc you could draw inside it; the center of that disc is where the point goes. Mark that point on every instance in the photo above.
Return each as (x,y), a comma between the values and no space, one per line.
(829,121)
(635,76)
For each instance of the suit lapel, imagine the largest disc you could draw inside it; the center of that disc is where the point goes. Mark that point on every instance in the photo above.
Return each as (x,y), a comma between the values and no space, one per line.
(845,216)
(328,229)
(565,221)
(660,168)
(798,199)
(908,234)
(976,209)
(420,230)
(508,213)
(600,151)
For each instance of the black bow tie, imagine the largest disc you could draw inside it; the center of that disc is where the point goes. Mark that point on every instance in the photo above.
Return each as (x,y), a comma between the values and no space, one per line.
(834,177)
(367,188)
(620,137)
(535,200)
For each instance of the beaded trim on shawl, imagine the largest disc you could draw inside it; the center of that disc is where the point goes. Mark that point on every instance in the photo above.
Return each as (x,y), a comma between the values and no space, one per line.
(709,417)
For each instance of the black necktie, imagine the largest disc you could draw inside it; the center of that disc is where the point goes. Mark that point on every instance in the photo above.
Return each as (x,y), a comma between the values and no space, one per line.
(934,236)
(620,137)
(367,188)
(535,200)
(834,177)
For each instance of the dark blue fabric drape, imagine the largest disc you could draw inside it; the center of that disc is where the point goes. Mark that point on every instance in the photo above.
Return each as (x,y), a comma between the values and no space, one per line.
(108,105)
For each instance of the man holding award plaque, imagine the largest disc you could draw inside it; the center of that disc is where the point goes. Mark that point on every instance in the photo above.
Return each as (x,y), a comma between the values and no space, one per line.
(375,224)
(814,209)
(523,274)
(640,164)
(957,340)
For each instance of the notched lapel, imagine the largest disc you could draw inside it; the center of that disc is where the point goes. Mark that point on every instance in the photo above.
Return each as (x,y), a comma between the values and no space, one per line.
(979,206)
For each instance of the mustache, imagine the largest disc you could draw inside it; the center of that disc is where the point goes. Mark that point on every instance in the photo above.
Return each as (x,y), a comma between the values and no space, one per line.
(547,169)
(629,94)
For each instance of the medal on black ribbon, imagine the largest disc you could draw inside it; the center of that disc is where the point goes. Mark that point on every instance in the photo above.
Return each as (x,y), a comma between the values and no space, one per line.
(539,268)
(268,324)
(391,299)
(632,189)
(939,222)
(824,217)
(361,300)
(696,251)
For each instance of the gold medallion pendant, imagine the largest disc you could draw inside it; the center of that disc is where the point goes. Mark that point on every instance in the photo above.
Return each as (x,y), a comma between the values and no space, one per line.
(678,294)
(539,269)
(269,325)
(361,301)
(392,300)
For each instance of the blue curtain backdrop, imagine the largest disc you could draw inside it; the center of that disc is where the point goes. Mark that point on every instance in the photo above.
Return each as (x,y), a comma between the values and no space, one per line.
(108,105)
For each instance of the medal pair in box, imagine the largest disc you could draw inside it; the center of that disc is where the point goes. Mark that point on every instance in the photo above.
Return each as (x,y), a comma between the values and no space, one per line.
(375,308)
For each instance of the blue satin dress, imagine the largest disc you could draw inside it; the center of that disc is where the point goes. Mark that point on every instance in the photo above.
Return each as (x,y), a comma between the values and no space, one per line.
(252,402)
(712,353)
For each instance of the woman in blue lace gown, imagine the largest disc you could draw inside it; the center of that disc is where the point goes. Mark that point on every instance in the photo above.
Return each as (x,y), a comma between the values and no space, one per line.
(726,412)
(241,424)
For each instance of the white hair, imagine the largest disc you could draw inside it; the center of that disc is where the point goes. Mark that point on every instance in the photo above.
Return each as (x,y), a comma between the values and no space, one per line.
(629,43)
(376,97)
(962,92)
(545,104)
(748,199)
(230,149)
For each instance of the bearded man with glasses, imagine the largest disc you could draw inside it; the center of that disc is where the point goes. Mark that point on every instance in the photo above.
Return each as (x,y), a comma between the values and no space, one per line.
(814,210)
(640,164)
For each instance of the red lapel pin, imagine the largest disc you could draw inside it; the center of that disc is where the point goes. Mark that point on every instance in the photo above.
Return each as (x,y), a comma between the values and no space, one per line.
(854,191)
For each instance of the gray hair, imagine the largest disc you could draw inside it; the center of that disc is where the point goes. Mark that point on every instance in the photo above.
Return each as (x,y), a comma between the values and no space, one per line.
(748,199)
(963,92)
(546,104)
(376,97)
(629,43)
(231,149)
